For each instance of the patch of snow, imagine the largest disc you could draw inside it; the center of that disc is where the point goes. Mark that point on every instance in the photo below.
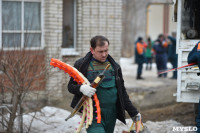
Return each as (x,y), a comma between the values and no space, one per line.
(163,126)
(52,120)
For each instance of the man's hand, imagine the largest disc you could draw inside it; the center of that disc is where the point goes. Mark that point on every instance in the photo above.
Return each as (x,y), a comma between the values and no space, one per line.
(137,117)
(87,90)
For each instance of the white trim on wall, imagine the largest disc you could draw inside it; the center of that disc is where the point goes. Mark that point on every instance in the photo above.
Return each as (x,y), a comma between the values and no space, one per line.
(22,25)
(69,52)
(42,24)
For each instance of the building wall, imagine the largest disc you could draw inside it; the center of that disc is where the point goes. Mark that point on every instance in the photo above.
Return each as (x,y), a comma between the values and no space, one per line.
(134,22)
(155,23)
(99,17)
(94,17)
(172,25)
(53,41)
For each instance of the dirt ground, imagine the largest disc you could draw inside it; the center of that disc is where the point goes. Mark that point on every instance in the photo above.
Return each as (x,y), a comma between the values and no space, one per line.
(180,112)
(159,104)
(154,96)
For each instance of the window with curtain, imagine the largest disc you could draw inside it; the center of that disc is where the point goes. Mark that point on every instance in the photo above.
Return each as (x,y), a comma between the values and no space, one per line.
(21,24)
(68,24)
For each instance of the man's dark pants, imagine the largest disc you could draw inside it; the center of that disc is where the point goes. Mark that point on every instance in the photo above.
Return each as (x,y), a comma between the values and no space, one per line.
(139,70)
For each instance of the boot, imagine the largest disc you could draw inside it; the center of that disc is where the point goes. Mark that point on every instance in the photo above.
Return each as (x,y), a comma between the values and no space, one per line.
(139,77)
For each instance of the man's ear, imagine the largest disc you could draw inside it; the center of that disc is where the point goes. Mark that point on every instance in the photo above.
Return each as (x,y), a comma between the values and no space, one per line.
(91,50)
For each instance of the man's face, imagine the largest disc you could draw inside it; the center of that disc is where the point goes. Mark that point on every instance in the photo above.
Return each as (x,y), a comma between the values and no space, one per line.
(100,53)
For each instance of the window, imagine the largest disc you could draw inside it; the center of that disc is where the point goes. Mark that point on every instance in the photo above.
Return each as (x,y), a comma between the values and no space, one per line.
(69,27)
(21,24)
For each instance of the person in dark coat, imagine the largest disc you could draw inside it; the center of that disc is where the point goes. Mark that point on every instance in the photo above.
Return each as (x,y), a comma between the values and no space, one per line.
(194,57)
(140,56)
(160,47)
(172,56)
(111,93)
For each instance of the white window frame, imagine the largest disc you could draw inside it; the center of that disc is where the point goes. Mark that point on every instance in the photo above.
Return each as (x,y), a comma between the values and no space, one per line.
(22,26)
(72,51)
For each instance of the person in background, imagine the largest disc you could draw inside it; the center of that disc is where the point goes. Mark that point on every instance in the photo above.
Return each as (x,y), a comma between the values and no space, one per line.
(112,95)
(172,56)
(140,56)
(160,48)
(149,54)
(194,57)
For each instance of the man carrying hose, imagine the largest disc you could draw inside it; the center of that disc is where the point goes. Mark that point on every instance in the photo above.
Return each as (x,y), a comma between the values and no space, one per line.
(111,93)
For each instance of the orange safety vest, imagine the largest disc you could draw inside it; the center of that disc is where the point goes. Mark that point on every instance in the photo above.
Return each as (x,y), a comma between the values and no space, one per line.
(165,44)
(140,48)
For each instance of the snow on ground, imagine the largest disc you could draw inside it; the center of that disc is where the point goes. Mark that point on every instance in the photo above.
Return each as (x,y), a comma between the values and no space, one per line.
(129,68)
(52,120)
(129,71)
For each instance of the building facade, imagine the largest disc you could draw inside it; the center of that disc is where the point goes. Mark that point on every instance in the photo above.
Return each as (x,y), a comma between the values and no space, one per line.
(139,19)
(87,19)
(60,28)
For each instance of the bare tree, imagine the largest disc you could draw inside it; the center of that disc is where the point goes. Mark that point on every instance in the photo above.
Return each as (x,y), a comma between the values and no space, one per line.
(22,71)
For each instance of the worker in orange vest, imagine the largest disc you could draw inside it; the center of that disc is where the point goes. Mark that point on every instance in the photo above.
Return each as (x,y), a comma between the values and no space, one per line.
(140,56)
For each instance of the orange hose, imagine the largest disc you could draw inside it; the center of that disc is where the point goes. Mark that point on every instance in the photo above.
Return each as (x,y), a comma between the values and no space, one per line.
(68,69)
(96,100)
(73,72)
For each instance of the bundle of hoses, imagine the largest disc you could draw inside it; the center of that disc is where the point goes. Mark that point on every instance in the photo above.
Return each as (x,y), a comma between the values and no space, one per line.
(87,113)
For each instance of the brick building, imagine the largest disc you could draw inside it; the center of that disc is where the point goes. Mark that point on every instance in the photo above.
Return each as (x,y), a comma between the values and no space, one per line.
(139,16)
(60,28)
(63,28)
(78,21)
